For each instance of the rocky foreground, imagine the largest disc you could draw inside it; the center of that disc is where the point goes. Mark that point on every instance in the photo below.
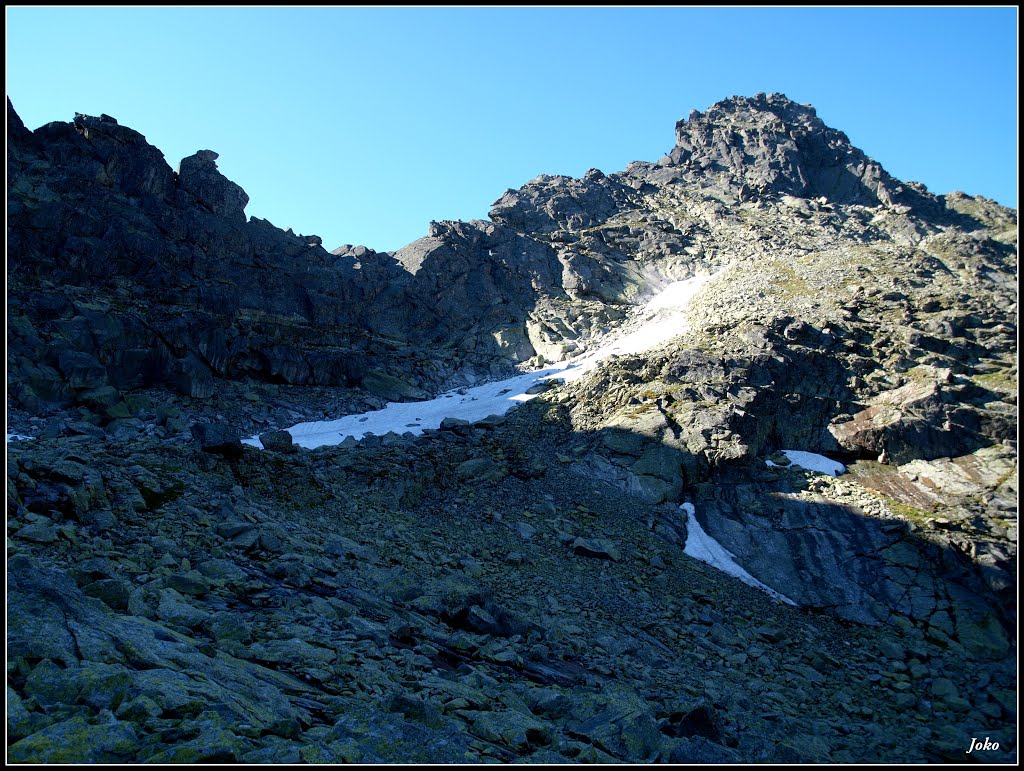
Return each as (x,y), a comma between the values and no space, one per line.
(514,589)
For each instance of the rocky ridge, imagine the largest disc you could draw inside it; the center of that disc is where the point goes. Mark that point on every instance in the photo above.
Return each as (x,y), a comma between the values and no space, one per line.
(514,589)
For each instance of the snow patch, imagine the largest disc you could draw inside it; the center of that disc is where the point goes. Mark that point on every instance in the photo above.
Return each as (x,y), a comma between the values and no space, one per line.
(656,322)
(703,547)
(812,462)
(470,404)
(19,438)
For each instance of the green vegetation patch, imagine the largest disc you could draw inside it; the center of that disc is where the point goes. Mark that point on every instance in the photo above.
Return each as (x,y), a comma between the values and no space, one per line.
(1002,381)
(916,515)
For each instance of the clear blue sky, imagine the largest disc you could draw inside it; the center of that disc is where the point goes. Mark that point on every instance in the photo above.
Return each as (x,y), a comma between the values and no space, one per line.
(363,124)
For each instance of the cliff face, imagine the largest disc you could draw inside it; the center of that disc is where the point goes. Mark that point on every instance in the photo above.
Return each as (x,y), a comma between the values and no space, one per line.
(516,588)
(180,288)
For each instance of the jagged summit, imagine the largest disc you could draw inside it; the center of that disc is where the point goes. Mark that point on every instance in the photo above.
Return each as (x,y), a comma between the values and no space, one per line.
(736,108)
(771,145)
(742,149)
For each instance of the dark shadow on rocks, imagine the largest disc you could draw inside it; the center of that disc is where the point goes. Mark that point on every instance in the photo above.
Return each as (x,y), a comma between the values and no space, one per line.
(783,527)
(825,555)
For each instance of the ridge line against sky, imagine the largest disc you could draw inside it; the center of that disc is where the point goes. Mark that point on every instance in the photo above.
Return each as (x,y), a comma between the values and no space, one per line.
(362,125)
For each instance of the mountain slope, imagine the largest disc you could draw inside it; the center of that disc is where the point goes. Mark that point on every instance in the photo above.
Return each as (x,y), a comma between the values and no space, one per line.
(520,587)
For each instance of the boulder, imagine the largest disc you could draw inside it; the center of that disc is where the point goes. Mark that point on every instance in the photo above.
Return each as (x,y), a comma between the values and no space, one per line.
(915,421)
(391,388)
(278,441)
(602,548)
(218,439)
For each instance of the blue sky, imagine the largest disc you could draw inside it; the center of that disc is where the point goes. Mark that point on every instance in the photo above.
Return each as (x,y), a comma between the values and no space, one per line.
(363,124)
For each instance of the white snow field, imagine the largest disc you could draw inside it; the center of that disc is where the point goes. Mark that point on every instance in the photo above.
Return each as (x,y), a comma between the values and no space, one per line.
(18,438)
(702,546)
(812,462)
(659,320)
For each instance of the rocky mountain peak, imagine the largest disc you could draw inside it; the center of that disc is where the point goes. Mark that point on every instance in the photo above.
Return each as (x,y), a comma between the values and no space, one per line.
(756,108)
(770,145)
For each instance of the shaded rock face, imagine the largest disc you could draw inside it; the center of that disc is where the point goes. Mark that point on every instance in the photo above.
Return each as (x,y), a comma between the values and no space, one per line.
(198,175)
(832,556)
(514,588)
(157,275)
(479,281)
